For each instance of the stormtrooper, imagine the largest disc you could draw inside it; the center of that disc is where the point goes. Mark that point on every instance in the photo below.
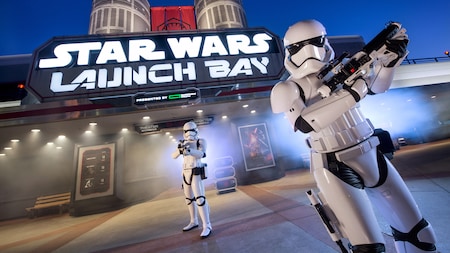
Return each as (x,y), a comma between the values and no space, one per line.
(350,172)
(193,150)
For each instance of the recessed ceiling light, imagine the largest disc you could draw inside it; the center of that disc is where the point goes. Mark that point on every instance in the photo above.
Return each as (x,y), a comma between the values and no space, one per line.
(252,111)
(146,117)
(8,148)
(93,123)
(199,111)
(224,116)
(35,130)
(14,140)
(244,106)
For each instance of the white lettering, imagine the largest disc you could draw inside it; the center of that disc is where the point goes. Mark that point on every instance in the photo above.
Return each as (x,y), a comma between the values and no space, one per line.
(241,43)
(87,75)
(91,78)
(238,43)
(221,68)
(64,58)
(152,75)
(84,51)
(144,48)
(130,75)
(111,51)
(213,45)
(262,46)
(178,71)
(57,86)
(184,46)
(188,95)
(103,82)
(242,66)
(218,68)
(86,79)
(260,65)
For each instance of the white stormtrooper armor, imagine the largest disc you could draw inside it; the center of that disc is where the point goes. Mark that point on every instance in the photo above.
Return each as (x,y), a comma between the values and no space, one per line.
(193,150)
(344,158)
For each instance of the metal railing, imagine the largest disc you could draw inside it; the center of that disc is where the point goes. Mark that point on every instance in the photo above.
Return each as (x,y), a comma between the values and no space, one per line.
(425,60)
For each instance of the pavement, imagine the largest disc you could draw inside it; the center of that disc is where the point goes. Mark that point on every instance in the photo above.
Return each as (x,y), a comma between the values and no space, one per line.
(273,216)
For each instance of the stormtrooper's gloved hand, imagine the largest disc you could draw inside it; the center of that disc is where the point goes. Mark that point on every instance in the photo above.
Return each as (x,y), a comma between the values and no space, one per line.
(396,49)
(186,150)
(180,148)
(324,91)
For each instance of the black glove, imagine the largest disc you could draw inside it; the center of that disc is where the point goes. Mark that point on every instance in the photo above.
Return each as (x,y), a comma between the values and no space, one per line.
(180,148)
(398,47)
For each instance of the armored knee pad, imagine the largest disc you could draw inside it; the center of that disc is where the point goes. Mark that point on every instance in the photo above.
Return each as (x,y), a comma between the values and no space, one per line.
(421,236)
(200,200)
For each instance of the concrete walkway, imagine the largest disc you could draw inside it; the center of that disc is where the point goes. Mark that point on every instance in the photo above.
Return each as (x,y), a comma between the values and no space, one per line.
(268,217)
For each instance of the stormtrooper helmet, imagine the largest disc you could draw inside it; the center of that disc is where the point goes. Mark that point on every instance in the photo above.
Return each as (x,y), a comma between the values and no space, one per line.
(190,131)
(307,48)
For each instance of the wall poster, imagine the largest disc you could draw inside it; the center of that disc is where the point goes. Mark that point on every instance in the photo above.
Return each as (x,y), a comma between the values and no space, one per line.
(256,147)
(95,171)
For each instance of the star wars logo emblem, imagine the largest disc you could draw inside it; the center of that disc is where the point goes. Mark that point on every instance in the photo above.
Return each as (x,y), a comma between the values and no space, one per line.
(94,66)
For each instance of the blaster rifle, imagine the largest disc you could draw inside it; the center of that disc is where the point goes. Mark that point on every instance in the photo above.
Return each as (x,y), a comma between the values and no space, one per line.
(315,202)
(346,73)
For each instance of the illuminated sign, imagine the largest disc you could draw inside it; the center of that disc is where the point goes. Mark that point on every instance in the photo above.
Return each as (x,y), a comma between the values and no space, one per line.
(156,127)
(98,66)
(190,95)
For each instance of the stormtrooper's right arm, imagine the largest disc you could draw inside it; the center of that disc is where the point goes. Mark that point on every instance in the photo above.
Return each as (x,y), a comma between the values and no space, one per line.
(178,151)
(176,154)
(286,97)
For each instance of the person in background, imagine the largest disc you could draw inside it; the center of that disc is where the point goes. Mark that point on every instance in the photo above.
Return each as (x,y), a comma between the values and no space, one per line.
(193,149)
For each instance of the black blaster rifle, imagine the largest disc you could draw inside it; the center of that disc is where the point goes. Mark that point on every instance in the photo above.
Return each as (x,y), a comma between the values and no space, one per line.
(334,234)
(338,72)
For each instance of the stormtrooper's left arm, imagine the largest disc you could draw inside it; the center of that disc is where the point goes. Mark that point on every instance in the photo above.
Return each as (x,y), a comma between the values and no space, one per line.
(327,110)
(382,75)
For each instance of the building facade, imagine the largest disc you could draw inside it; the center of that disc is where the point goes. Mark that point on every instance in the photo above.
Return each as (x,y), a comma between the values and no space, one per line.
(128,16)
(220,14)
(119,16)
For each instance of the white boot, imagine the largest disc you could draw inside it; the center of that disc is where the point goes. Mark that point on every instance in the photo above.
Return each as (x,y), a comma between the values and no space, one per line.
(204,215)
(190,226)
(207,229)
(193,214)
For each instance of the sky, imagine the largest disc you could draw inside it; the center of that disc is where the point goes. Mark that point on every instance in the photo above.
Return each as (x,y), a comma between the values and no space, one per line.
(27,24)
